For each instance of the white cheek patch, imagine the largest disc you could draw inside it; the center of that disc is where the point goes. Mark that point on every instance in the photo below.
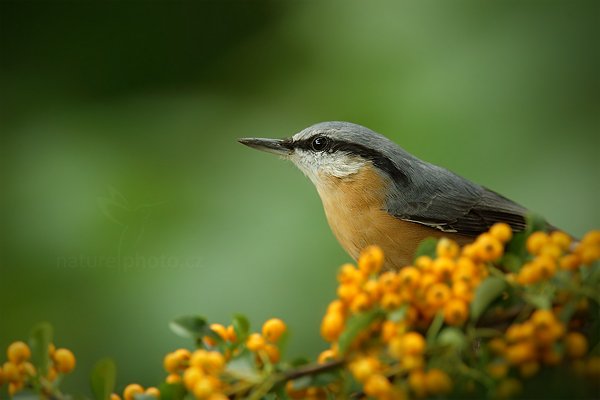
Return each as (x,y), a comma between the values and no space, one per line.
(337,165)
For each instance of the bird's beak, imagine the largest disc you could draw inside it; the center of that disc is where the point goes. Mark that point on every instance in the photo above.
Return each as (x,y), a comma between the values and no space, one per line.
(279,147)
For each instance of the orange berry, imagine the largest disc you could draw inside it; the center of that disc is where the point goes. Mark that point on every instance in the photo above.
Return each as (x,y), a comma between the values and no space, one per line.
(348,274)
(391,301)
(590,254)
(64,360)
(411,363)
(131,390)
(389,281)
(543,319)
(551,250)
(10,372)
(447,248)
(272,353)
(273,329)
(551,357)
(14,387)
(152,391)
(437,295)
(417,382)
(325,356)
(497,346)
(294,393)
(536,241)
(455,312)
(465,270)
(520,353)
(255,342)
(114,396)
(205,386)
(409,277)
(171,362)
(364,367)
(173,378)
(570,262)
(214,362)
(18,352)
(461,290)
(360,303)
(438,382)
(423,262)
(371,260)
(347,292)
(191,377)
(27,369)
(231,335)
(377,385)
(576,345)
(488,248)
(219,330)
(497,370)
(443,267)
(332,326)
(561,239)
(591,238)
(372,289)
(501,231)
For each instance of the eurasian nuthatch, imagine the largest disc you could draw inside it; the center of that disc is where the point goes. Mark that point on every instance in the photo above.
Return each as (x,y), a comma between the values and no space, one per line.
(375,192)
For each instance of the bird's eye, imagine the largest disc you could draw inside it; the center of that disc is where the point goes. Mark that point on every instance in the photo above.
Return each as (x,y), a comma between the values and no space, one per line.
(320,143)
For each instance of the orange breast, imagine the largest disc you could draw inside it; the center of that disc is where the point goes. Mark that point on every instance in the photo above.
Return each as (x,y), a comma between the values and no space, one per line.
(354,206)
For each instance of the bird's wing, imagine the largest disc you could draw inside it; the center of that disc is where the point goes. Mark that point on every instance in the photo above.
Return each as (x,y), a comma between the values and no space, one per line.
(453,204)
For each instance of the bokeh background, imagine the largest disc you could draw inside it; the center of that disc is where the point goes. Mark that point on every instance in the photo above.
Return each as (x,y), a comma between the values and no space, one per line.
(125,200)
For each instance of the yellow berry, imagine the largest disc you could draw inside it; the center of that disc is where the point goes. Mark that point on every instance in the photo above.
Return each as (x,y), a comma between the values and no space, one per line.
(455,312)
(18,352)
(447,248)
(409,277)
(173,378)
(423,262)
(349,274)
(590,254)
(389,282)
(591,238)
(488,248)
(438,382)
(131,390)
(171,362)
(461,290)
(272,353)
(152,391)
(443,267)
(255,342)
(520,353)
(205,386)
(191,377)
(576,345)
(561,239)
(371,260)
(27,369)
(361,302)
(325,356)
(377,385)
(536,241)
(64,360)
(114,396)
(417,382)
(391,301)
(437,295)
(364,367)
(219,330)
(332,326)
(501,231)
(497,370)
(413,343)
(347,292)
(10,372)
(273,329)
(570,262)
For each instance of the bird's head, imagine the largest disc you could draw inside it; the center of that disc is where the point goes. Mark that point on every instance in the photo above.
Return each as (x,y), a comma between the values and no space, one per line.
(332,149)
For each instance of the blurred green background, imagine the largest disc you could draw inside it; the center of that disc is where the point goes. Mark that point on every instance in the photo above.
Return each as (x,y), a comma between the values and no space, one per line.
(125,200)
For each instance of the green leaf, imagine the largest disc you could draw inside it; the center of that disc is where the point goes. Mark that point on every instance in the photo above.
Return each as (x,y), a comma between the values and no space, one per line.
(243,367)
(172,391)
(398,314)
(241,325)
(540,301)
(355,325)
(103,379)
(486,293)
(39,341)
(434,328)
(193,327)
(511,262)
(426,248)
(452,337)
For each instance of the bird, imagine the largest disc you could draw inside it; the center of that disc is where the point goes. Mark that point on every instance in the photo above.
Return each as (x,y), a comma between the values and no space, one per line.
(376,193)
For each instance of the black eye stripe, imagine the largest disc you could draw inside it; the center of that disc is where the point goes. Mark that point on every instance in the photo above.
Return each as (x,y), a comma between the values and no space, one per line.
(378,159)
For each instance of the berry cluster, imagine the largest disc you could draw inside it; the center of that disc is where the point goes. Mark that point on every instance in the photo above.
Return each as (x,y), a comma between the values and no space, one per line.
(20,373)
